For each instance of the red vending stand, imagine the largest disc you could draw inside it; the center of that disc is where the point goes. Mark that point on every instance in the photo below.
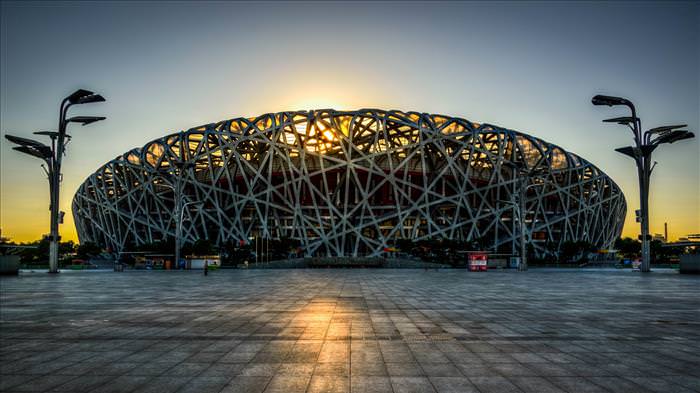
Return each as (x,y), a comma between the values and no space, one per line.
(477,262)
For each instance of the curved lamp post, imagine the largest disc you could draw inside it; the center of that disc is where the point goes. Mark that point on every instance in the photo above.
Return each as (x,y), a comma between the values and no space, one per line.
(645,143)
(53,156)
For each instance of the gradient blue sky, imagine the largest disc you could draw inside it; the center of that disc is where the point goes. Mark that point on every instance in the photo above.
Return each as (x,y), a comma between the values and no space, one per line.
(532,67)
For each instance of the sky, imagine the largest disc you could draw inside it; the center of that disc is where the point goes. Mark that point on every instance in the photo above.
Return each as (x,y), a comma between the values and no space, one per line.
(528,66)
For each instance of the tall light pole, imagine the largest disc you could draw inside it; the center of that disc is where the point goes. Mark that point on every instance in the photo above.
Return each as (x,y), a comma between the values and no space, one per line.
(521,217)
(645,143)
(53,157)
(178,229)
(177,173)
(519,206)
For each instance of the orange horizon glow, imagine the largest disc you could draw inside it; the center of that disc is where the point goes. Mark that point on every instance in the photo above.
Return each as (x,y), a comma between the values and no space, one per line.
(24,226)
(26,233)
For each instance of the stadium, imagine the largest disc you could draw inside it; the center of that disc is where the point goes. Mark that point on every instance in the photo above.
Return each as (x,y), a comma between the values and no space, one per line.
(350,183)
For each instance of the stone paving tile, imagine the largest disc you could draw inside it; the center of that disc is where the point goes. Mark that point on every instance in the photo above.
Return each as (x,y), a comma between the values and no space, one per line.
(550,370)
(453,385)
(513,369)
(116,368)
(404,369)
(411,385)
(244,384)
(375,369)
(123,384)
(259,370)
(85,383)
(440,370)
(329,384)
(370,384)
(8,381)
(577,385)
(494,384)
(660,385)
(205,357)
(288,384)
(535,385)
(204,385)
(298,369)
(617,384)
(688,382)
(350,330)
(188,369)
(476,370)
(163,384)
(43,383)
(341,369)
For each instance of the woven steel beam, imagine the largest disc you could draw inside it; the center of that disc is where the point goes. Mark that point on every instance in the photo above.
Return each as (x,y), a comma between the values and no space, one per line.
(349,184)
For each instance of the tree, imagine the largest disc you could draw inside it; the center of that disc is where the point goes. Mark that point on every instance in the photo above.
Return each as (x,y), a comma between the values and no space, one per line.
(158,247)
(66,247)
(200,247)
(87,250)
(4,242)
(404,245)
(280,248)
(574,251)
(661,254)
(37,252)
(628,247)
(233,253)
(567,251)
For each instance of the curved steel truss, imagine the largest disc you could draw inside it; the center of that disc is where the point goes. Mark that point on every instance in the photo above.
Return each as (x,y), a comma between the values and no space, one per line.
(349,183)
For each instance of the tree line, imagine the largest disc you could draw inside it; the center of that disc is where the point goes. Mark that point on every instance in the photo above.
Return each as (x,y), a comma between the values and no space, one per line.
(444,251)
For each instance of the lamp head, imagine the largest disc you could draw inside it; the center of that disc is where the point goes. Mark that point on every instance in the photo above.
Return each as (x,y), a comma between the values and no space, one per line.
(85,120)
(687,135)
(24,141)
(621,120)
(91,98)
(629,151)
(39,152)
(77,95)
(673,136)
(609,100)
(663,129)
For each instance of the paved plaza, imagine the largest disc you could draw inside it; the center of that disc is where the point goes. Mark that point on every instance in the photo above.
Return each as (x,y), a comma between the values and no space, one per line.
(359,330)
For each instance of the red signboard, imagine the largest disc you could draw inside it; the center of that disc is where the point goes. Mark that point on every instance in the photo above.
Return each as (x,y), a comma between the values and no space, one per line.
(478,262)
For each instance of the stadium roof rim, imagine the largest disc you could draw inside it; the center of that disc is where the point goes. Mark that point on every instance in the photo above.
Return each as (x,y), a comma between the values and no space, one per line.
(314,113)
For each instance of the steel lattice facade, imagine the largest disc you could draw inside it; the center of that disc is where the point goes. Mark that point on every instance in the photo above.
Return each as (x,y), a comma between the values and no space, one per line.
(349,183)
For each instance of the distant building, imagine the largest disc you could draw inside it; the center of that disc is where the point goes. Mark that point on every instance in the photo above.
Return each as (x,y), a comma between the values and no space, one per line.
(659,237)
(350,183)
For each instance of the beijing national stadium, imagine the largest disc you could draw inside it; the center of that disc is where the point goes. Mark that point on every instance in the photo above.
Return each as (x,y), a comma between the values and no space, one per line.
(350,183)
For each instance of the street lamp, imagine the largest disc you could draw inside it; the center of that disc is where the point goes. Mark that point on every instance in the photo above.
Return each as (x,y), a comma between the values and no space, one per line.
(523,175)
(53,156)
(645,144)
(181,166)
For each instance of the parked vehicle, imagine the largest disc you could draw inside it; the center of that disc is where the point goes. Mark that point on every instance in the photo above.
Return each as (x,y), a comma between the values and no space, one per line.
(81,264)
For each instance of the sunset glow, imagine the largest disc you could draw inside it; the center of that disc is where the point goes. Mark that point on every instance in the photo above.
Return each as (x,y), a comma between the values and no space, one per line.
(533,69)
